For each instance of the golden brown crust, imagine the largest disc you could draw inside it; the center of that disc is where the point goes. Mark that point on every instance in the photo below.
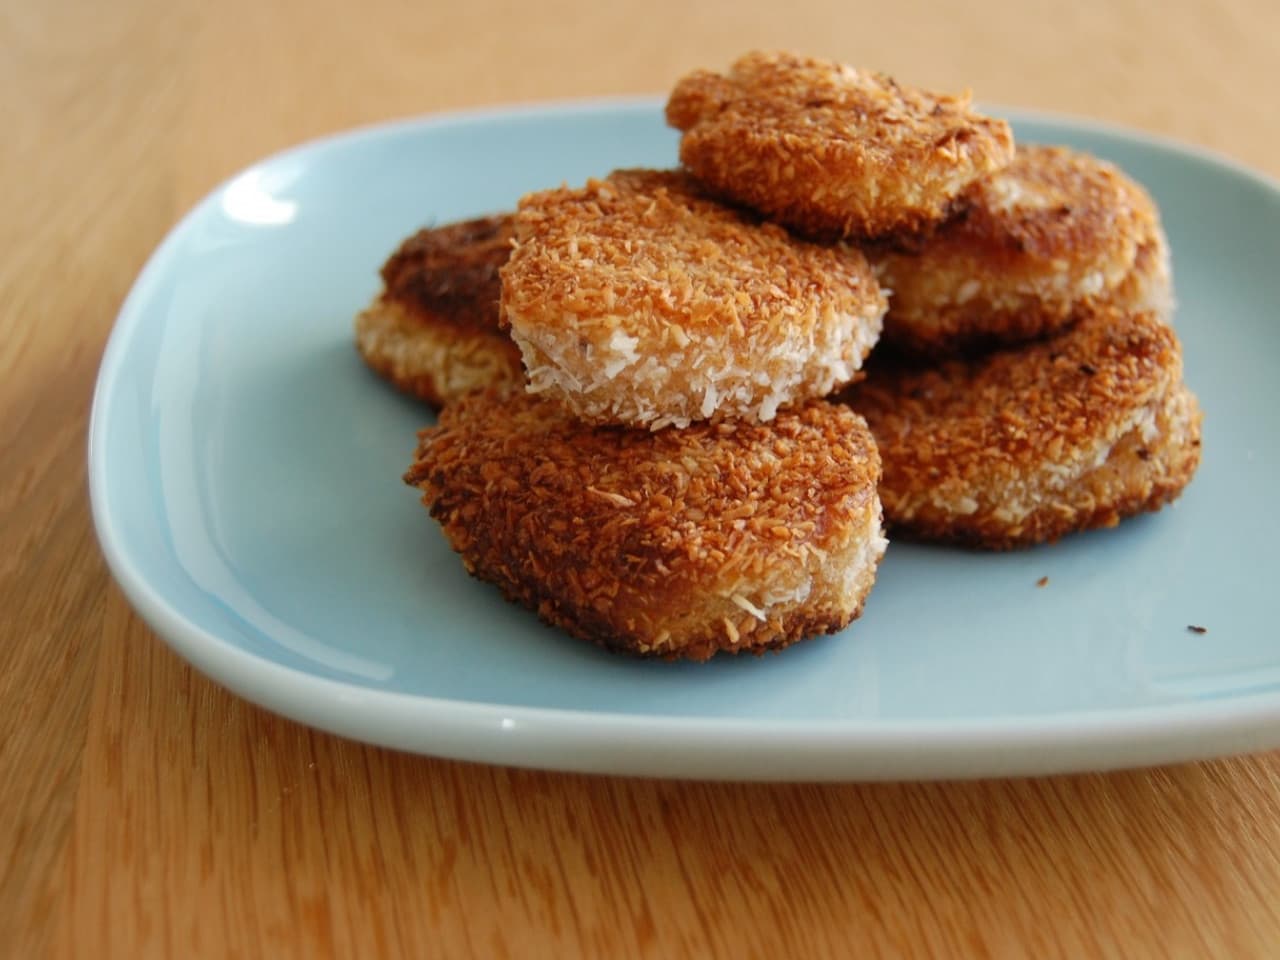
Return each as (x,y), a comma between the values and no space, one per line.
(1028,444)
(433,330)
(426,355)
(451,272)
(830,150)
(676,543)
(1053,236)
(639,300)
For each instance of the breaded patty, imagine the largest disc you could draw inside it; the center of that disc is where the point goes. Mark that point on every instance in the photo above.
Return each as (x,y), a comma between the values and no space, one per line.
(1029,443)
(638,300)
(433,330)
(1051,237)
(674,543)
(831,150)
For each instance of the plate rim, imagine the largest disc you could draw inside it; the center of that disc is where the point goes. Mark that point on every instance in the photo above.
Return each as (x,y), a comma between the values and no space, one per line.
(572,739)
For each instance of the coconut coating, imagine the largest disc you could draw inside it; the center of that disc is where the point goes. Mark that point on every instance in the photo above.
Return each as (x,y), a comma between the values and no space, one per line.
(638,300)
(830,150)
(1051,237)
(1027,444)
(433,330)
(676,543)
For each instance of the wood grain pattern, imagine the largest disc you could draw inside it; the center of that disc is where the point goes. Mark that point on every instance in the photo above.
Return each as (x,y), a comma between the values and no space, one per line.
(146,812)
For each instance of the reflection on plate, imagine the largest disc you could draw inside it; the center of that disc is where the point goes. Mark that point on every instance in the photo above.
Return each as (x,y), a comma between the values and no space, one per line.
(245,480)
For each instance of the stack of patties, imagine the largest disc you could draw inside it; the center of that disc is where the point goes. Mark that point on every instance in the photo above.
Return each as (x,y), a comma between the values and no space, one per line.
(1035,388)
(671,483)
(1033,384)
(670,475)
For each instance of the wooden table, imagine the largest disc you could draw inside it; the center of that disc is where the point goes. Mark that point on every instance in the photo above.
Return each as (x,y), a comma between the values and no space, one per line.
(146,812)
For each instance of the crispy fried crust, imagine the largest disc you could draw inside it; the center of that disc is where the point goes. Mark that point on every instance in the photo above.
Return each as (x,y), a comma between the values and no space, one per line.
(452,271)
(638,300)
(676,543)
(432,358)
(433,330)
(1051,237)
(830,150)
(1028,444)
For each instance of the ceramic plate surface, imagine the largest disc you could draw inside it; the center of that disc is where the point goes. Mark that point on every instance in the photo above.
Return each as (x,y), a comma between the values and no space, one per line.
(245,476)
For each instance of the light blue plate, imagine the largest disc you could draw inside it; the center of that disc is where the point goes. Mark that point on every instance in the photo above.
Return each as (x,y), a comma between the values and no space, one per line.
(245,474)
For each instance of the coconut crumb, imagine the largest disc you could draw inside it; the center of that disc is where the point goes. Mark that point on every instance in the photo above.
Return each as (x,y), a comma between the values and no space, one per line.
(687,309)
(616,499)
(691,562)
(832,150)
(743,603)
